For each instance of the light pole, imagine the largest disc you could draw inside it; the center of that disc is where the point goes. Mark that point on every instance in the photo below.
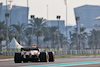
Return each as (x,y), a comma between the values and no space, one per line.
(66,3)
(78,45)
(10,8)
(6,6)
(32,23)
(7,17)
(93,38)
(47,12)
(58,19)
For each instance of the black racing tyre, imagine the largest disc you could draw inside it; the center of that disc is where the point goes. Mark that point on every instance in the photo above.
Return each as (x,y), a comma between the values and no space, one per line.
(51,56)
(43,57)
(17,58)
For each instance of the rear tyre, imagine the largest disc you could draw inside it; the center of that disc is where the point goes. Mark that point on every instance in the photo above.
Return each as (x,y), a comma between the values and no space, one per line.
(51,56)
(43,57)
(17,58)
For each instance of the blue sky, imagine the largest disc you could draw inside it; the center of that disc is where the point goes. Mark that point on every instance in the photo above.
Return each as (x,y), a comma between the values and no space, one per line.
(55,7)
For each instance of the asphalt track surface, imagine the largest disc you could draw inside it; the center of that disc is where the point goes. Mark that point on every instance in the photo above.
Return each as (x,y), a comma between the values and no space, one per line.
(57,61)
(89,65)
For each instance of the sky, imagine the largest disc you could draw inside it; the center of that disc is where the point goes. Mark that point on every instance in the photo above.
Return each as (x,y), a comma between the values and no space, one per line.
(55,7)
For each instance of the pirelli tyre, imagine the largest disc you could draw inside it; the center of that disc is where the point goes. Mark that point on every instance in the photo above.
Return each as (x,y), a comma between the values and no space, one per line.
(43,57)
(17,58)
(51,56)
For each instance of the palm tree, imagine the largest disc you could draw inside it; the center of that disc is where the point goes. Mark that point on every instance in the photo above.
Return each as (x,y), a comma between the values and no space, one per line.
(51,35)
(38,33)
(2,32)
(28,35)
(94,39)
(81,40)
(38,25)
(18,29)
(82,36)
(73,40)
(2,29)
(45,34)
(63,40)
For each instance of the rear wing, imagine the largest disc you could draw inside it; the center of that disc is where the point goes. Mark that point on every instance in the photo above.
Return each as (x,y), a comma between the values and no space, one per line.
(28,49)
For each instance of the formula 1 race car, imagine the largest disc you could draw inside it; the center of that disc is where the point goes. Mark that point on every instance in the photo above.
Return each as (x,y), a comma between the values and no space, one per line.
(33,54)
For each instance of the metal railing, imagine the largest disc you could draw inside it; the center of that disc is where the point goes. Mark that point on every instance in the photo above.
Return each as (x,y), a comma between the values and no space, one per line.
(61,52)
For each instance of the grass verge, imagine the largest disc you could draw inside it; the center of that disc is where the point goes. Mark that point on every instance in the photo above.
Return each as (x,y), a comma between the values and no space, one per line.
(6,57)
(69,56)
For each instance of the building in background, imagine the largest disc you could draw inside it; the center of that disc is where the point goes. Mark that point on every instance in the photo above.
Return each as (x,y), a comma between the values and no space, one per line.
(69,30)
(87,15)
(18,14)
(0,9)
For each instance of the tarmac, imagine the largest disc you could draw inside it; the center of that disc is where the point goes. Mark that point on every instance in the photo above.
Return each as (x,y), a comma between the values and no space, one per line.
(88,65)
(10,62)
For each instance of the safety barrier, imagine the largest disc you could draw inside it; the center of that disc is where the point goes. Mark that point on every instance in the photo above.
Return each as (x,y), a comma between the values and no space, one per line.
(63,52)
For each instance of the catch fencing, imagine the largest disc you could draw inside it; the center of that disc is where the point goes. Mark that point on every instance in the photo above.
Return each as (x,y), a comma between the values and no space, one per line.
(63,52)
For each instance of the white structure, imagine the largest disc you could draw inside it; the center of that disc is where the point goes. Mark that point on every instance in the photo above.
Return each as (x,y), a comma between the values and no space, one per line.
(18,13)
(14,44)
(87,15)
